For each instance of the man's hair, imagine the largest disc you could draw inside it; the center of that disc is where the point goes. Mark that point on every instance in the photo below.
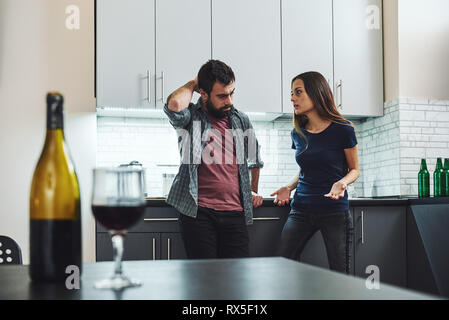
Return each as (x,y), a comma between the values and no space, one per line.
(213,71)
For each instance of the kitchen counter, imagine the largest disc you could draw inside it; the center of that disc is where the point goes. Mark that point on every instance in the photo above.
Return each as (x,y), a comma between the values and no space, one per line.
(356,202)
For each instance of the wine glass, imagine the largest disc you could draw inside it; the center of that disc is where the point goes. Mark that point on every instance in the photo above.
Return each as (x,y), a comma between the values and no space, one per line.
(117,203)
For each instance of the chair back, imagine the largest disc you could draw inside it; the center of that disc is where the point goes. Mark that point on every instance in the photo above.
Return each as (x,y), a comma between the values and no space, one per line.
(10,252)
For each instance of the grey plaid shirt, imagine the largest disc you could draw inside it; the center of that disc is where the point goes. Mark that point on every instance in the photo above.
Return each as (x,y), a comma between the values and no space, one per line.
(183,194)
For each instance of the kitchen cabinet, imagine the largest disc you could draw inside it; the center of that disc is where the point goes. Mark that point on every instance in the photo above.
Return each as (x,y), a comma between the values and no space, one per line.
(125,50)
(306,42)
(145,51)
(246,35)
(183,44)
(265,232)
(137,246)
(380,240)
(155,237)
(358,57)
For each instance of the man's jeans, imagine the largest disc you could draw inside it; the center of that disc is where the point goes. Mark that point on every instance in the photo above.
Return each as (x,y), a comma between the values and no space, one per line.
(337,230)
(215,234)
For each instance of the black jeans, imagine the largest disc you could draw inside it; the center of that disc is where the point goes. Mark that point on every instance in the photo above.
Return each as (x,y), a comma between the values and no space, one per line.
(337,230)
(214,234)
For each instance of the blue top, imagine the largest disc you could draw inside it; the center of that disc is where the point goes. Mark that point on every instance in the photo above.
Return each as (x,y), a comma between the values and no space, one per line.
(321,165)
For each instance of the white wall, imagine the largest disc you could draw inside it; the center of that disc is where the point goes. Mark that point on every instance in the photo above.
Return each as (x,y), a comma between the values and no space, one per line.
(38,54)
(416,49)
(424,49)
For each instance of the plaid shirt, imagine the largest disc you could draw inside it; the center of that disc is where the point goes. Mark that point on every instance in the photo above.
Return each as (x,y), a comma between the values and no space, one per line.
(183,194)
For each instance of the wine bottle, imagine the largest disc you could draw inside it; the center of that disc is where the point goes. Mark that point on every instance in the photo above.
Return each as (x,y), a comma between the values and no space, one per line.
(423,180)
(446,177)
(438,179)
(55,219)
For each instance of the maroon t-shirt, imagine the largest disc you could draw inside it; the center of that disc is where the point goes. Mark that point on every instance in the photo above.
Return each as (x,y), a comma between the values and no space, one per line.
(218,175)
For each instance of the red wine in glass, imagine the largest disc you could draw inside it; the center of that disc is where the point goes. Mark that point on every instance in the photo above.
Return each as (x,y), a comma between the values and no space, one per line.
(117,218)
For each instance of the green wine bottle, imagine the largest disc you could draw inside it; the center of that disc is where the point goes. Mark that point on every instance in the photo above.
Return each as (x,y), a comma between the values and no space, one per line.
(438,179)
(446,177)
(423,180)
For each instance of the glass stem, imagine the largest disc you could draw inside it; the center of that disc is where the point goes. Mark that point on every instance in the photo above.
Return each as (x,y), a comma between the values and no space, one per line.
(117,244)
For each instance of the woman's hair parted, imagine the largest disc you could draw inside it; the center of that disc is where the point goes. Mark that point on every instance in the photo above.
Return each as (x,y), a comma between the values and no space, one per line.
(322,98)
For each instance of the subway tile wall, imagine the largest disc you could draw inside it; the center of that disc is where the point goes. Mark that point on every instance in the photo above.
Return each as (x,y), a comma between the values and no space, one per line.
(153,143)
(391,147)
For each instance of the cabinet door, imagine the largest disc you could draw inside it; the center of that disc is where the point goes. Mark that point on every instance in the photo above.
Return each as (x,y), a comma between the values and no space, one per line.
(125,53)
(172,246)
(358,57)
(380,240)
(183,44)
(265,232)
(306,42)
(137,246)
(246,35)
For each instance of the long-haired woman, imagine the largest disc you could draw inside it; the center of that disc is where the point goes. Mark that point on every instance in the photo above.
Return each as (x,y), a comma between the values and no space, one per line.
(327,155)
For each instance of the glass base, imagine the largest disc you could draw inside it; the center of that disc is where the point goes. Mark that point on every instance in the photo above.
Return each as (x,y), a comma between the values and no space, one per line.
(117,283)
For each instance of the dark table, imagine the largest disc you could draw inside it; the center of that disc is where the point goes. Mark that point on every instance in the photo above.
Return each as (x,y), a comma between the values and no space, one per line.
(225,279)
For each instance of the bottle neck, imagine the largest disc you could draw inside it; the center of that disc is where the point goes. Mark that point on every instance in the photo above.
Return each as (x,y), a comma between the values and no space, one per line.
(423,166)
(55,119)
(54,136)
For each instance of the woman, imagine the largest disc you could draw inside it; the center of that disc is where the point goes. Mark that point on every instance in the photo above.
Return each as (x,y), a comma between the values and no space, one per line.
(326,152)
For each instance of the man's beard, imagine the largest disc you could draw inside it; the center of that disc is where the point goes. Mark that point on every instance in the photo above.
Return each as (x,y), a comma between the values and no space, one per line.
(218,113)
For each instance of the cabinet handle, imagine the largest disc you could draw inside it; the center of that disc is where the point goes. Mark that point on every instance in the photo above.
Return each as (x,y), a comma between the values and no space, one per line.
(363,233)
(340,96)
(149,85)
(168,249)
(266,218)
(162,85)
(154,249)
(160,219)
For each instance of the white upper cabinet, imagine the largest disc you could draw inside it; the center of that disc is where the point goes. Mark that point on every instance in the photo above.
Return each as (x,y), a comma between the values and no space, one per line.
(125,53)
(146,49)
(183,44)
(358,57)
(246,35)
(306,42)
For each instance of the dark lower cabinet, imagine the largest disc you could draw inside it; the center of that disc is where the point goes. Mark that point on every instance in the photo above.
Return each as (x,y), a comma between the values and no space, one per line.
(380,240)
(172,246)
(137,246)
(265,232)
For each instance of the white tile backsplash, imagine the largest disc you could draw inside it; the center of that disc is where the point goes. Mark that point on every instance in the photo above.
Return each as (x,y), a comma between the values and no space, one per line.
(153,142)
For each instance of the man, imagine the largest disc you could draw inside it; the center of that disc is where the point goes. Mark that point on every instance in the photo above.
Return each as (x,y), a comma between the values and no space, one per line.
(212,190)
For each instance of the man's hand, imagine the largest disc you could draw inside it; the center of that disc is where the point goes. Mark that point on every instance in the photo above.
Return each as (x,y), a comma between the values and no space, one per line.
(257,200)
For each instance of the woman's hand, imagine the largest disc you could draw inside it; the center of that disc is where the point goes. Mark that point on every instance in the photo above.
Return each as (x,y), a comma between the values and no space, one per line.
(282,196)
(337,191)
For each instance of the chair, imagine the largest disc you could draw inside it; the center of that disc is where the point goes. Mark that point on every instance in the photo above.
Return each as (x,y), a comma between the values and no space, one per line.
(10,252)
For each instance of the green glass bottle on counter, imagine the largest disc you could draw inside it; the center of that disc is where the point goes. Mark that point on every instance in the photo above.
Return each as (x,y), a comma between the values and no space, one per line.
(438,187)
(446,177)
(55,217)
(423,180)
